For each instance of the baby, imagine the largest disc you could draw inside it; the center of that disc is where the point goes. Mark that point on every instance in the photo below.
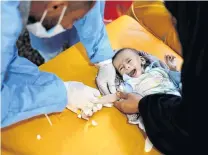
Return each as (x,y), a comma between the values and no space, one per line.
(144,74)
(141,73)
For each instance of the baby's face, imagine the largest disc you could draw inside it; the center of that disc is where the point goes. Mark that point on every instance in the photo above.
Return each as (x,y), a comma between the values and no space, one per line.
(128,62)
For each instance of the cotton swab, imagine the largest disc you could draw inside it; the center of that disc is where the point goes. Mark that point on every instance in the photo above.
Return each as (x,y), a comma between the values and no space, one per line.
(94,123)
(38,137)
(48,119)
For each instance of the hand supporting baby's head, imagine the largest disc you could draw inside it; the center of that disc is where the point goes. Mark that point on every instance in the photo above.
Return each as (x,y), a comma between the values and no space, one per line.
(130,61)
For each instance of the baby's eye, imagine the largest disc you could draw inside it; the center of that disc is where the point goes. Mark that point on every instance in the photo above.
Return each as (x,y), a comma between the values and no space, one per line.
(121,68)
(129,61)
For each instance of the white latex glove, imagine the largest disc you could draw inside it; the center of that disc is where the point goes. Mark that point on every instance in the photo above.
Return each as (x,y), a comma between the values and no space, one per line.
(82,97)
(106,77)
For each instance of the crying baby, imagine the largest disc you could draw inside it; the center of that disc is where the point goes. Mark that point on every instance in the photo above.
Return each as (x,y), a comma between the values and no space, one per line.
(144,74)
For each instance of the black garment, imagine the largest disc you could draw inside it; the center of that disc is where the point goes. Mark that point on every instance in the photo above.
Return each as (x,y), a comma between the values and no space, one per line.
(167,118)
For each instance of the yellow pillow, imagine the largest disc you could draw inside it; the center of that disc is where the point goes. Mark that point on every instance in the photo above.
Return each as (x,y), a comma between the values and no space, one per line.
(156,19)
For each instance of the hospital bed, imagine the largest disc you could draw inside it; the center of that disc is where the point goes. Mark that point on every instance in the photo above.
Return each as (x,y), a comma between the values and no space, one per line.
(70,135)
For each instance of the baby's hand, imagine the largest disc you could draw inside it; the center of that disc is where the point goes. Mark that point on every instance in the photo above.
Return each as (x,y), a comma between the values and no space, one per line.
(129,104)
(171,62)
(108,98)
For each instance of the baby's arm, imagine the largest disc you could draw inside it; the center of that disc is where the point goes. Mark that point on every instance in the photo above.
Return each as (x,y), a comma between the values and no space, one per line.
(170,60)
(110,98)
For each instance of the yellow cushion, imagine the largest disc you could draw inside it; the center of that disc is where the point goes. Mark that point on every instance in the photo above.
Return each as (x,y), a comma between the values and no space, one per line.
(156,19)
(72,136)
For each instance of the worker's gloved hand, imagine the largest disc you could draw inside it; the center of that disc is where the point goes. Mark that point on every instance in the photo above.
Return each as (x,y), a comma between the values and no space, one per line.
(106,77)
(82,97)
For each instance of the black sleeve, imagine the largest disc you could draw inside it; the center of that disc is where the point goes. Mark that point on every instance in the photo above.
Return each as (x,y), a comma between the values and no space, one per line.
(164,127)
(168,118)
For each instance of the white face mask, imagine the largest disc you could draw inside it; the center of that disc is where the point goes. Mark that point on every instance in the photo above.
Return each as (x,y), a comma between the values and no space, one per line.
(39,30)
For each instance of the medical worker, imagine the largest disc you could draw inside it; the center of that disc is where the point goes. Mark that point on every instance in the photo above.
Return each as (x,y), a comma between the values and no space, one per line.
(171,122)
(25,90)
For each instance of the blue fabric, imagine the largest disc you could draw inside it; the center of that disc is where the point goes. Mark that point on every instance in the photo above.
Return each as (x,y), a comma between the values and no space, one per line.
(93,35)
(51,47)
(176,78)
(127,87)
(25,90)
(90,30)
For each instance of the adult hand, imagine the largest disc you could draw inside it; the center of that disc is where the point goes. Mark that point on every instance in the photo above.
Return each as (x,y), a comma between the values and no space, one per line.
(106,77)
(82,97)
(129,103)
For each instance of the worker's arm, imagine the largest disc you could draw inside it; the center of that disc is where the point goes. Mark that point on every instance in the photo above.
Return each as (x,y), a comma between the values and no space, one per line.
(165,123)
(93,35)
(25,91)
(169,120)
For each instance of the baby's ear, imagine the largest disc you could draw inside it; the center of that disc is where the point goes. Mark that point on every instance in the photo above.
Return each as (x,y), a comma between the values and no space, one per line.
(143,61)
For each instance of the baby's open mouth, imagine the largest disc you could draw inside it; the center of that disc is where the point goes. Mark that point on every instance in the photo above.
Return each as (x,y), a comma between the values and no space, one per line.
(132,73)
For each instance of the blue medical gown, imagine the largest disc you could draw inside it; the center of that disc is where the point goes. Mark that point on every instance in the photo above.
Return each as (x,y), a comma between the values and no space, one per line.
(46,46)
(25,90)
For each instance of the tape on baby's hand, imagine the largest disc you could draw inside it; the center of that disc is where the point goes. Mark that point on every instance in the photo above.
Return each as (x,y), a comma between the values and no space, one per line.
(78,111)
